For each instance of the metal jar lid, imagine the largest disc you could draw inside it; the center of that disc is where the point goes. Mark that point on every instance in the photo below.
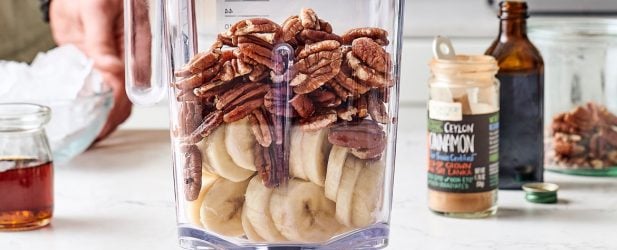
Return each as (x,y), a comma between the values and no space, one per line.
(541,192)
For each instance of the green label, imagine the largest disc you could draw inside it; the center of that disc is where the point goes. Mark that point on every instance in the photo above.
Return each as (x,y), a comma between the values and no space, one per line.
(464,155)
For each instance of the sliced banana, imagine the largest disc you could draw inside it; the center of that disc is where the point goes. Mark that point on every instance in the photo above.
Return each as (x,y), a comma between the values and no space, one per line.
(336,160)
(193,207)
(221,211)
(205,164)
(296,166)
(240,141)
(315,150)
(368,194)
(344,198)
(257,203)
(219,159)
(301,212)
(249,230)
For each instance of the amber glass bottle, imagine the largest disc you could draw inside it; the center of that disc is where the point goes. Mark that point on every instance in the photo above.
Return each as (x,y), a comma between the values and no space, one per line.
(521,75)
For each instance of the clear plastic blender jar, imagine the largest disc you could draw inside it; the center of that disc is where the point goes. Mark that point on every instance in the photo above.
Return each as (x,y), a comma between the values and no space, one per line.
(283,116)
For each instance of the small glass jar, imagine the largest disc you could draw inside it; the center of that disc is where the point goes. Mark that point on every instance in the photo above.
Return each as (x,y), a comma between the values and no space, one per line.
(463,140)
(581,83)
(26,172)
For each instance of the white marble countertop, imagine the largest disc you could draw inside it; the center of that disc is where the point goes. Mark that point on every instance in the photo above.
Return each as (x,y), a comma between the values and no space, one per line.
(119,195)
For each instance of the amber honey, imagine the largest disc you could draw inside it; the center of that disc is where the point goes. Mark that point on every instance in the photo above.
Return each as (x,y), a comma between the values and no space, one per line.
(26,194)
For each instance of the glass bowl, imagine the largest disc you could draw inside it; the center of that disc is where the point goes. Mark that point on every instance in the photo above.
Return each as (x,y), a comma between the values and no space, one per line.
(76,123)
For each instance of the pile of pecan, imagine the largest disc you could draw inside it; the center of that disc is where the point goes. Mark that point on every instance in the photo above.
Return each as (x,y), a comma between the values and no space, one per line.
(342,81)
(585,137)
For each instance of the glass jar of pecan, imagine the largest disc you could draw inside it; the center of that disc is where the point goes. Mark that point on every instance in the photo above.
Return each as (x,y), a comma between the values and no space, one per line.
(580,104)
(463,138)
(283,117)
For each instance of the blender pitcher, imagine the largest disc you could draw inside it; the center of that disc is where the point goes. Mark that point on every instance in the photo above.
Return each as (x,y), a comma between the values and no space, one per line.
(283,116)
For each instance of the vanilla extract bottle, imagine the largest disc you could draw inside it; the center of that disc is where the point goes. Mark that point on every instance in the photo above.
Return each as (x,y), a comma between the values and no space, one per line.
(521,74)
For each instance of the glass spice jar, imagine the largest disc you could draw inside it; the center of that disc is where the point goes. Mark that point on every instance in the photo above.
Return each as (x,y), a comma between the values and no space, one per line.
(463,141)
(26,172)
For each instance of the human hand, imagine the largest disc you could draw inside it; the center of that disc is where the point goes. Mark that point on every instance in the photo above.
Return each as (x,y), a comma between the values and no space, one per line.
(96,27)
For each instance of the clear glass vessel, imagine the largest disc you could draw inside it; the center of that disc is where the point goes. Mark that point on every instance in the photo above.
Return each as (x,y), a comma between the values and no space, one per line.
(26,172)
(581,82)
(283,116)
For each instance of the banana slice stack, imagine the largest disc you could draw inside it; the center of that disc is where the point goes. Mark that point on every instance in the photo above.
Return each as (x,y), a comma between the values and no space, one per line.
(331,191)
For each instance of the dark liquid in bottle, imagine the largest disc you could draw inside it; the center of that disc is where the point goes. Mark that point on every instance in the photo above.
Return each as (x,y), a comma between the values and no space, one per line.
(26,194)
(520,132)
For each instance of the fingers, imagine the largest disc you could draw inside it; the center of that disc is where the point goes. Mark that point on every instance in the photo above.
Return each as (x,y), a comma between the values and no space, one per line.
(99,18)
(64,23)
(122,106)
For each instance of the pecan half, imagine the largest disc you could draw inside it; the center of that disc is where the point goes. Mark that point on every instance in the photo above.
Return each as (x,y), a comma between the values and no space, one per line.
(260,126)
(377,109)
(303,105)
(192,172)
(242,110)
(258,53)
(309,19)
(224,39)
(280,159)
(266,40)
(318,64)
(565,147)
(339,90)
(258,73)
(378,35)
(194,81)
(214,88)
(344,79)
(362,105)
(314,48)
(324,98)
(583,118)
(292,27)
(363,134)
(242,93)
(207,126)
(607,117)
(366,74)
(254,25)
(276,101)
(272,169)
(190,116)
(263,164)
(347,113)
(229,54)
(200,62)
(372,54)
(319,121)
(610,136)
(325,26)
(313,36)
(369,153)
(186,95)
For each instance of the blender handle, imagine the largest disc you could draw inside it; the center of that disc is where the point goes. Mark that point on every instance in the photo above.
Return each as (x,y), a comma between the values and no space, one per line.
(145,72)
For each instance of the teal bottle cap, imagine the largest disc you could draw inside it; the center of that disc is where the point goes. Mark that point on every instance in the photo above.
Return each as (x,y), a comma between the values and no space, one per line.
(541,192)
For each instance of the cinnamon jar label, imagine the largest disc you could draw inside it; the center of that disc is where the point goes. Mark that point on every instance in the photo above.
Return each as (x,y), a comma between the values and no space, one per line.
(464,154)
